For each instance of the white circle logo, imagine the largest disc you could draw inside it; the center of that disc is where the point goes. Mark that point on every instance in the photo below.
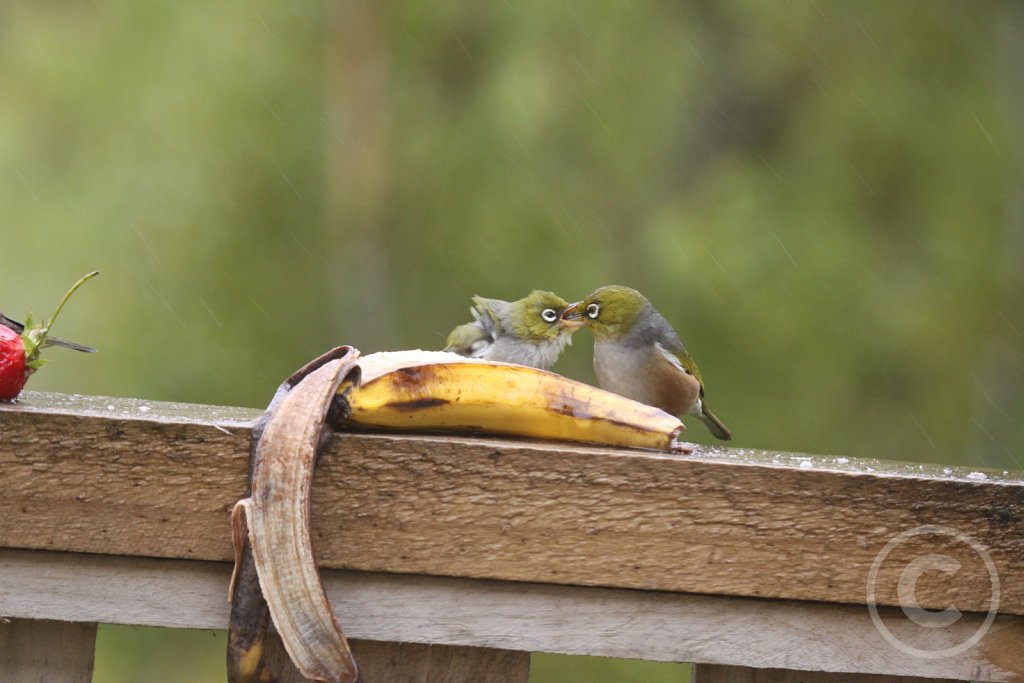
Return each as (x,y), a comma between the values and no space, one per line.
(907,585)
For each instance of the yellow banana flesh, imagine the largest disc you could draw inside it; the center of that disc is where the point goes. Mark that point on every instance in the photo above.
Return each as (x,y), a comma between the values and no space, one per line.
(437,391)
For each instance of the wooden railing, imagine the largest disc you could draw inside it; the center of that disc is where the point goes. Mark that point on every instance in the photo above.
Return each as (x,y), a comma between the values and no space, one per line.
(757,566)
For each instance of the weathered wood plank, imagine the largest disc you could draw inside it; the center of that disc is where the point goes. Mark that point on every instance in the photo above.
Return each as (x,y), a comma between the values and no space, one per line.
(414,663)
(144,478)
(43,651)
(716,673)
(525,617)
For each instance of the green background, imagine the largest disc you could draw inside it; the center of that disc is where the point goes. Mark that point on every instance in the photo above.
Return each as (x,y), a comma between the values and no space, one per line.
(826,199)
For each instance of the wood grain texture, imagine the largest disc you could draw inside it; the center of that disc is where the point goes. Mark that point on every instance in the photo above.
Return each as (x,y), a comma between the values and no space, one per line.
(716,673)
(673,627)
(103,475)
(43,651)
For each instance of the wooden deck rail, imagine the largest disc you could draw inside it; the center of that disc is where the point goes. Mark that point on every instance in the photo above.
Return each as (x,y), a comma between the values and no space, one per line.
(116,511)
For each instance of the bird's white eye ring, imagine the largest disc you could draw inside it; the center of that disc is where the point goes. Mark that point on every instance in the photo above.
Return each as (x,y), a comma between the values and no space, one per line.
(593,310)
(549,314)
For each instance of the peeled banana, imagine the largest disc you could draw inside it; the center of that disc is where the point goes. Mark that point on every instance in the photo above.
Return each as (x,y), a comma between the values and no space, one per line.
(438,391)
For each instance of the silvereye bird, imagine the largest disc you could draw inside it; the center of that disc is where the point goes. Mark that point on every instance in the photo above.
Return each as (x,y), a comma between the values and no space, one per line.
(529,331)
(637,354)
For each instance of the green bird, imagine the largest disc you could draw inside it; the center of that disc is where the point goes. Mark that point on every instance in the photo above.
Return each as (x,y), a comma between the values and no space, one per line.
(637,354)
(529,331)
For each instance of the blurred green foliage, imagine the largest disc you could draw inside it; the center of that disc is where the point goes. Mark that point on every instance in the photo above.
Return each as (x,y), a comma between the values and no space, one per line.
(126,654)
(826,199)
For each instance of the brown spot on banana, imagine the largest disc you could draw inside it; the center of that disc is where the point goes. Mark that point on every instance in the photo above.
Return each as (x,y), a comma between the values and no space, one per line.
(418,404)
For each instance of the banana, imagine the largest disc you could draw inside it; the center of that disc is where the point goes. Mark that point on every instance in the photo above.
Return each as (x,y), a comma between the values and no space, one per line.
(438,391)
(275,573)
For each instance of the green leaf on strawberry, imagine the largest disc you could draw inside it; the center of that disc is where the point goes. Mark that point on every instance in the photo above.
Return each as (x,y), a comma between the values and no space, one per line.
(32,359)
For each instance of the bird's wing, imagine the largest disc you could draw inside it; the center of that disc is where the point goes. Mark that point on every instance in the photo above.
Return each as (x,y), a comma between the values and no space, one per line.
(469,339)
(682,361)
(490,314)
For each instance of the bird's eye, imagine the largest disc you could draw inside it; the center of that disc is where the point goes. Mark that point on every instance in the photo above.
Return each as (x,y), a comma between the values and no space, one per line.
(549,314)
(593,310)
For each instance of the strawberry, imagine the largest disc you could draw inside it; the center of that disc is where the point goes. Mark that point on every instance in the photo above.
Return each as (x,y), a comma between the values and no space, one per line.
(19,353)
(13,372)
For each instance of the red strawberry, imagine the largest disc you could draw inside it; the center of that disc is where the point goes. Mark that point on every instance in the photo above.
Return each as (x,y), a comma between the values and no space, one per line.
(19,353)
(13,372)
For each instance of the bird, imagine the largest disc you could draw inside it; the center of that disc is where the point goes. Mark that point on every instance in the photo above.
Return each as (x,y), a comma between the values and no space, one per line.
(529,331)
(638,354)
(50,341)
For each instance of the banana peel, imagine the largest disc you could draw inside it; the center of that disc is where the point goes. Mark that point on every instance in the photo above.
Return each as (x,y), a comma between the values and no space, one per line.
(275,570)
(275,576)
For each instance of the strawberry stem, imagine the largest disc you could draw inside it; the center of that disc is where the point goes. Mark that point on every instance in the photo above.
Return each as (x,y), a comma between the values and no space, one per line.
(67,295)
(35,336)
